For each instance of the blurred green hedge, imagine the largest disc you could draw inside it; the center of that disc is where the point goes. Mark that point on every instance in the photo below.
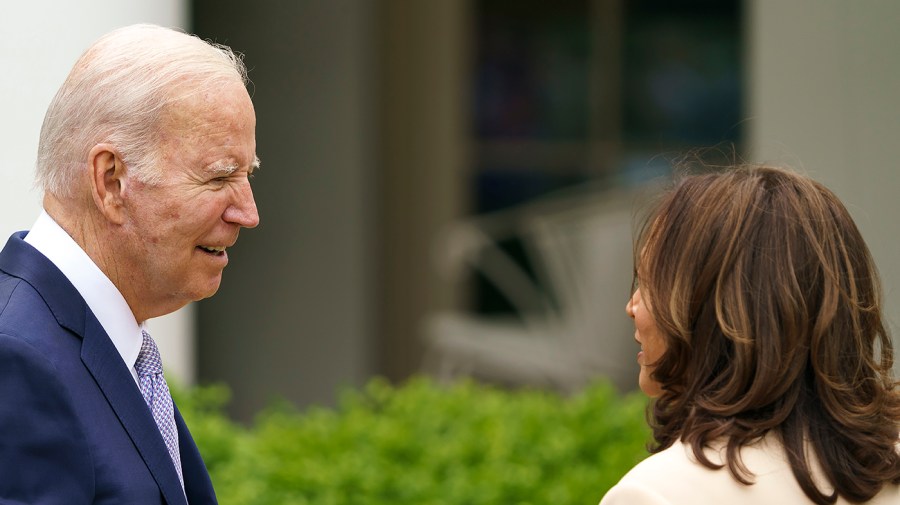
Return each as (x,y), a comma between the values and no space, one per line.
(422,443)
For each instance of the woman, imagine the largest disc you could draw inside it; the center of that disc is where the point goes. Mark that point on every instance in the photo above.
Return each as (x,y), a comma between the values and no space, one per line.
(762,343)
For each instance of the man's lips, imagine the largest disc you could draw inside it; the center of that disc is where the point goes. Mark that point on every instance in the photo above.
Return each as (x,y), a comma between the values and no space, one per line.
(214,250)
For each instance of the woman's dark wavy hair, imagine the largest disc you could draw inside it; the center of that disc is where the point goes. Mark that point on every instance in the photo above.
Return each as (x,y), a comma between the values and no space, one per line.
(770,305)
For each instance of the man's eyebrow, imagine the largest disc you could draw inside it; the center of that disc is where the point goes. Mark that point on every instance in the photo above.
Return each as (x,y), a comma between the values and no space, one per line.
(228,167)
(222,167)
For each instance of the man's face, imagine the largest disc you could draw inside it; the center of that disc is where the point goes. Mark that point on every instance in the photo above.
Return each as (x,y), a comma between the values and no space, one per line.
(177,230)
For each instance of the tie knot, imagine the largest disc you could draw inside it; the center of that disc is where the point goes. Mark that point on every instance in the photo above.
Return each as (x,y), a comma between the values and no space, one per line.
(148,360)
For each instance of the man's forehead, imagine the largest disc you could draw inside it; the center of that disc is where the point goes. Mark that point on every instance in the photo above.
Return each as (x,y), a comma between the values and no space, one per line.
(190,105)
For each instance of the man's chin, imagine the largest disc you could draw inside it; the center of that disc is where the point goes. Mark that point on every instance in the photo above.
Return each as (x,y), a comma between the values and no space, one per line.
(209,288)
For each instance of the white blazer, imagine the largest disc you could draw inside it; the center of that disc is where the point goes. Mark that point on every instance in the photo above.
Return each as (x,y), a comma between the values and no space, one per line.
(674,477)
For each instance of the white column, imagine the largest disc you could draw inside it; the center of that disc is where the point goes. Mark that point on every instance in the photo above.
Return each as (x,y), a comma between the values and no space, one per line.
(823,95)
(39,43)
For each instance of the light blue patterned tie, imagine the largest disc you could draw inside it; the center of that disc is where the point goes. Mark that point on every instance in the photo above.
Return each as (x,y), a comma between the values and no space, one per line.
(156,394)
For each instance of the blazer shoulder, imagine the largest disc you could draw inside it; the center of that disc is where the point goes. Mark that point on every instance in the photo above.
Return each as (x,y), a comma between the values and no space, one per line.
(633,493)
(672,476)
(676,475)
(676,462)
(22,265)
(25,315)
(8,286)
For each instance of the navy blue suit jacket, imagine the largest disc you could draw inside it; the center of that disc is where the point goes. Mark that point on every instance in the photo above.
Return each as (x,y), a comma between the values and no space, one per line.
(74,428)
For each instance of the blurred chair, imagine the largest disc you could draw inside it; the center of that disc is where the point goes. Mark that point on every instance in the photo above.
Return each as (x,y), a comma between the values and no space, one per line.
(569,325)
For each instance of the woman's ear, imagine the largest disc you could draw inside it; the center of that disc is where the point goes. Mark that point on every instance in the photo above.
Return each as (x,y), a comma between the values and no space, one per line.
(107,176)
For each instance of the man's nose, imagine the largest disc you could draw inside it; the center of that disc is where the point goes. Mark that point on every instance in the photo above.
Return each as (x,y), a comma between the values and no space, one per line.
(243,210)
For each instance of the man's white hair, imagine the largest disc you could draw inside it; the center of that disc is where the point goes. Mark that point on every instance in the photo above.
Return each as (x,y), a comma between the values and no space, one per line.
(116,94)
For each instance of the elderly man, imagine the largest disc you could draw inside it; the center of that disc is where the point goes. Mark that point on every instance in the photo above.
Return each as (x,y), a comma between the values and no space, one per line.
(144,159)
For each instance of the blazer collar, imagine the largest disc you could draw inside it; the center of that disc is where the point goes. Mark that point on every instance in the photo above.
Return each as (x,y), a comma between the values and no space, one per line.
(99,356)
(21,260)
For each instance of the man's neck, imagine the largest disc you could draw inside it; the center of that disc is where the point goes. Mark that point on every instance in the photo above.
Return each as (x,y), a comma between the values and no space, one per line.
(93,235)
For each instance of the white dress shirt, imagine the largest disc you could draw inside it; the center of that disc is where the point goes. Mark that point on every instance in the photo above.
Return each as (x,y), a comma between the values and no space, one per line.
(101,295)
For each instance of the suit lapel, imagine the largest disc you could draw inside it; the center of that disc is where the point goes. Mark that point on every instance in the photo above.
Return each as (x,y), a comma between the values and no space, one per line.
(117,384)
(100,357)
(197,484)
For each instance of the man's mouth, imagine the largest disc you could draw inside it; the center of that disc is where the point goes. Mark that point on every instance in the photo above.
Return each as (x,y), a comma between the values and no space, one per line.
(215,251)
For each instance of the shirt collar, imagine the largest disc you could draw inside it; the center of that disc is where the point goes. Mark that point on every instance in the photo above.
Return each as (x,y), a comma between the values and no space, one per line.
(100,294)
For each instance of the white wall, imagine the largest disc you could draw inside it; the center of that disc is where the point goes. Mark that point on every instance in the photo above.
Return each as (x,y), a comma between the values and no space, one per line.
(824,91)
(39,43)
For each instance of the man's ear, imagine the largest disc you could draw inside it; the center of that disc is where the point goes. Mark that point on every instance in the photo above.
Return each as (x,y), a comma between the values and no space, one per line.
(107,173)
